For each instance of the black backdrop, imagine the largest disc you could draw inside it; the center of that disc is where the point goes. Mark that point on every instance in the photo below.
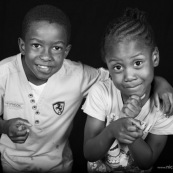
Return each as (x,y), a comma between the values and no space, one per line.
(89,18)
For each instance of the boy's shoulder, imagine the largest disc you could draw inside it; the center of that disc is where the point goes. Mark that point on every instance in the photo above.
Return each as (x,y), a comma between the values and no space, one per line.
(9,65)
(105,85)
(8,60)
(80,68)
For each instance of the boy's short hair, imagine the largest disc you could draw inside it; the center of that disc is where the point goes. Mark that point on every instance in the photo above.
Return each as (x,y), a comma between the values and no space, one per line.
(49,13)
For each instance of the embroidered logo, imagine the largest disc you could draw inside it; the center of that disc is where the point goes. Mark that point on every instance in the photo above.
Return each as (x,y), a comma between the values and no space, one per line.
(14,105)
(59,107)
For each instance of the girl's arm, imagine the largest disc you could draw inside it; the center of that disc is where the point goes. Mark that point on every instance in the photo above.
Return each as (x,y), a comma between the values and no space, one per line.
(145,153)
(98,138)
(163,95)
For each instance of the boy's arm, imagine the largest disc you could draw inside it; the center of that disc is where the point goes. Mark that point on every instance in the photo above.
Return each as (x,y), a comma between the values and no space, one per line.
(145,153)
(163,92)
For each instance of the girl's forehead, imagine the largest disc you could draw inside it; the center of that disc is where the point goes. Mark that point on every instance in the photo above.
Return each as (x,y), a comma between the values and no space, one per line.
(126,48)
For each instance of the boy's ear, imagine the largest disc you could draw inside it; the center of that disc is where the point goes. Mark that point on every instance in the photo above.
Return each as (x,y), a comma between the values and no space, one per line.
(67,50)
(155,57)
(21,44)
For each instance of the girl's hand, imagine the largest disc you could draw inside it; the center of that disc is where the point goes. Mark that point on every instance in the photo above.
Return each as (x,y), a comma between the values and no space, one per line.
(132,106)
(126,130)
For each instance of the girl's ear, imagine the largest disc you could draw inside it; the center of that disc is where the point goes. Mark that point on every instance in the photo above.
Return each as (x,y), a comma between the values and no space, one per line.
(155,57)
(21,44)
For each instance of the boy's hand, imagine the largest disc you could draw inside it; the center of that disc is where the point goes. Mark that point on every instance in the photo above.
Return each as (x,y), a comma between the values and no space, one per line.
(163,95)
(126,130)
(132,107)
(16,129)
(165,102)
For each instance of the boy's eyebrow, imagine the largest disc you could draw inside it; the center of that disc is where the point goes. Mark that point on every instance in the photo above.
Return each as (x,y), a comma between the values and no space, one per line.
(43,41)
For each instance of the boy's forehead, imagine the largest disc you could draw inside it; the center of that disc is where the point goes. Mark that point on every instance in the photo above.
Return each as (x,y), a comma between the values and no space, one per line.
(45,27)
(40,23)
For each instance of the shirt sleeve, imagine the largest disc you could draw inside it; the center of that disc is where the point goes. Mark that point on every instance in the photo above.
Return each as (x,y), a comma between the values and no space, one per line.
(95,104)
(163,125)
(2,90)
(90,76)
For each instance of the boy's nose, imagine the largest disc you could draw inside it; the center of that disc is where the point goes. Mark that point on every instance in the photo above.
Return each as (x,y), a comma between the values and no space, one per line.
(45,58)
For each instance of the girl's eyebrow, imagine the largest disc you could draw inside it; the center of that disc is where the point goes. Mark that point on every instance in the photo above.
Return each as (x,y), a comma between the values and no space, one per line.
(134,56)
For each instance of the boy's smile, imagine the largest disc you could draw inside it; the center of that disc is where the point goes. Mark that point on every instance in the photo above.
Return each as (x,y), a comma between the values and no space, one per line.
(44,49)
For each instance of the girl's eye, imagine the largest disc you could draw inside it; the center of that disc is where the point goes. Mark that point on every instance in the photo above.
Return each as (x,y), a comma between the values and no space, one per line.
(118,68)
(36,45)
(138,63)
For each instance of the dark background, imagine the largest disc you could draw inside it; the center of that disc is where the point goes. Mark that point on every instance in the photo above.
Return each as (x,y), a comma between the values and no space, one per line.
(89,19)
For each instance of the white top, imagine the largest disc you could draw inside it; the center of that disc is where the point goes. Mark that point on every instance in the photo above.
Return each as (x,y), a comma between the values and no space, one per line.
(37,90)
(104,102)
(51,117)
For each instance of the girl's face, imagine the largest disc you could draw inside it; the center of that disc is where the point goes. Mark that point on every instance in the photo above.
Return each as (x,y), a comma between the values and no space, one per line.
(44,48)
(131,66)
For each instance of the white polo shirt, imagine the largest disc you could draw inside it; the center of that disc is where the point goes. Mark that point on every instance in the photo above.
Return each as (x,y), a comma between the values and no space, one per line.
(46,148)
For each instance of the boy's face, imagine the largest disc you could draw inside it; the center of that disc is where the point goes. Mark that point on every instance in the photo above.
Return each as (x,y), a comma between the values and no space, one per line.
(44,49)
(131,65)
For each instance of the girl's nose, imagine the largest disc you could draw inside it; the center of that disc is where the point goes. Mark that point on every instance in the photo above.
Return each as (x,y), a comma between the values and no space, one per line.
(129,75)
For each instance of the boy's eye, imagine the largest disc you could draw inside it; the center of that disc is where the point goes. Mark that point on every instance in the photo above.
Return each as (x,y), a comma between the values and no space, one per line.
(57,48)
(138,63)
(118,68)
(36,45)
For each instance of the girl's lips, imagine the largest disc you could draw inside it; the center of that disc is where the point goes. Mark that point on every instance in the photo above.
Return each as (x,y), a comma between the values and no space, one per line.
(132,86)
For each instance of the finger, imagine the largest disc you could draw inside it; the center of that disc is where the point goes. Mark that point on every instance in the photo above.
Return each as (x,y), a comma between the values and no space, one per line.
(166,103)
(24,122)
(134,102)
(22,132)
(19,139)
(126,141)
(156,100)
(131,111)
(19,142)
(140,133)
(126,137)
(137,98)
(170,111)
(132,128)
(135,122)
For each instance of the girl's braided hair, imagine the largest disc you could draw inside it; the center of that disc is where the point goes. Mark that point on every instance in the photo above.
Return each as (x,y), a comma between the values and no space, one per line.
(132,25)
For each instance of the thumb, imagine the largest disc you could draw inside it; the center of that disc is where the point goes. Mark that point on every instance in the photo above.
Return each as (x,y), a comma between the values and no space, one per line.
(25,122)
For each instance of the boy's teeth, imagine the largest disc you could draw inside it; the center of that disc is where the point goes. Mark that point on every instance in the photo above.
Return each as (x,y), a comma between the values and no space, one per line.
(42,66)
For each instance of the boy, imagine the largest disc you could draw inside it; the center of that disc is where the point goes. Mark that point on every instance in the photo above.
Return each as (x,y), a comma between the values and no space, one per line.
(122,134)
(41,92)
